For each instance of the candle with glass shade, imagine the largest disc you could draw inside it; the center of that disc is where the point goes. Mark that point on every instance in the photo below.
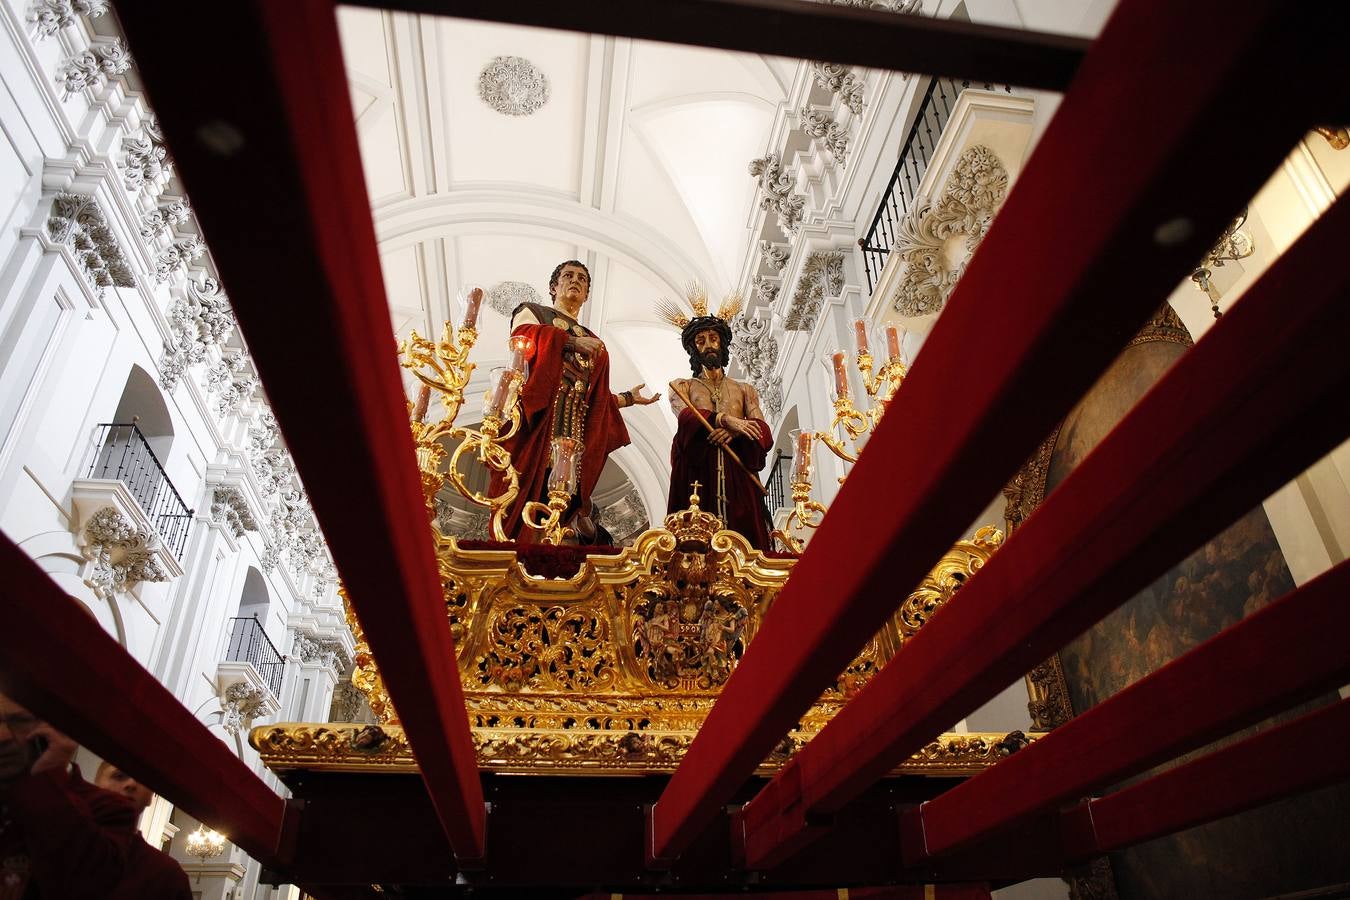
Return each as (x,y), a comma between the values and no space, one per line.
(806,513)
(564,472)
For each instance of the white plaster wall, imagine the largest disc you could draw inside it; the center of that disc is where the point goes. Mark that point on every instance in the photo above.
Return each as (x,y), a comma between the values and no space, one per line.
(66,350)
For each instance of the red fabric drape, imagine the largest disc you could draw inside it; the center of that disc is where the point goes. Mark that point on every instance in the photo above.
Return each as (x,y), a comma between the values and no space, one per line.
(694,458)
(529,448)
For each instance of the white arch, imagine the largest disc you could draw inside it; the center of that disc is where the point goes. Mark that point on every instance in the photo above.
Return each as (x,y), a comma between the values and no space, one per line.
(511,210)
(142,400)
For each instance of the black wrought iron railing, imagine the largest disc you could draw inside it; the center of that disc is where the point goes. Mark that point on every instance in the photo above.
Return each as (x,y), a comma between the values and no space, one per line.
(250,644)
(125,454)
(776,483)
(935,110)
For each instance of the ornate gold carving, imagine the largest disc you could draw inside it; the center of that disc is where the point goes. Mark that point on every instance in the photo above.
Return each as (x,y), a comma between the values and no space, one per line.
(1337,137)
(556,671)
(352,747)
(952,571)
(443,366)
(1049,705)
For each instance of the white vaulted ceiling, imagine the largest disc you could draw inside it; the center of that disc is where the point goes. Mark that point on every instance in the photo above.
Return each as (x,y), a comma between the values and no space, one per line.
(636,165)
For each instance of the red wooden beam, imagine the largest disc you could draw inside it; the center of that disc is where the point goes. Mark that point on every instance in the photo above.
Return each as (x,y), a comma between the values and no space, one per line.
(57,661)
(269,153)
(1298,756)
(1224,684)
(797,28)
(1237,416)
(1095,234)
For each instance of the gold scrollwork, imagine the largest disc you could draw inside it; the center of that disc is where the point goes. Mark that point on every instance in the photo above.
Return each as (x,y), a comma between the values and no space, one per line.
(443,366)
(952,571)
(344,748)
(559,648)
(639,641)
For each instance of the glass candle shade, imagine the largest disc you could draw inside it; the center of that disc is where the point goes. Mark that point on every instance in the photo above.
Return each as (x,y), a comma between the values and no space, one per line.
(500,388)
(860,336)
(801,460)
(520,353)
(839,367)
(566,464)
(471,296)
(895,339)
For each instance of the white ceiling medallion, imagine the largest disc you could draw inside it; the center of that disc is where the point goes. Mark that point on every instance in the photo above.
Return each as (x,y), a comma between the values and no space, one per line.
(507,295)
(513,86)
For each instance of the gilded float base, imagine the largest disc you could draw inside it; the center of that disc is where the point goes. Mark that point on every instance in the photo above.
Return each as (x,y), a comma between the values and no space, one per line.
(337,747)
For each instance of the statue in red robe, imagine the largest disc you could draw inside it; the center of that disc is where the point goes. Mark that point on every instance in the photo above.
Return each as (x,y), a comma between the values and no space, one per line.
(732,409)
(565,395)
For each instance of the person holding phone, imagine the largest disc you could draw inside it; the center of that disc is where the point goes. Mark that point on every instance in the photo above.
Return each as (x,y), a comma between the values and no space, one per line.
(63,837)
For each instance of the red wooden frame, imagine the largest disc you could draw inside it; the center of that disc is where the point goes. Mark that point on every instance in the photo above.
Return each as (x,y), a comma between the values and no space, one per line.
(1044,306)
(1131,181)
(1225,684)
(1189,458)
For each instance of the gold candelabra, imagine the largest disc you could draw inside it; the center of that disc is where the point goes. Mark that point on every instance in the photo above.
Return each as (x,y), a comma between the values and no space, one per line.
(880,386)
(443,366)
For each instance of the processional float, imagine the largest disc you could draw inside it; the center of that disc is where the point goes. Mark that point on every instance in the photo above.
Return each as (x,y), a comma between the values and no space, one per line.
(576,662)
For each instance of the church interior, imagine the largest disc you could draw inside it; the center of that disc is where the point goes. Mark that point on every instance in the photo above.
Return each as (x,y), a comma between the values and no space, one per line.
(998,346)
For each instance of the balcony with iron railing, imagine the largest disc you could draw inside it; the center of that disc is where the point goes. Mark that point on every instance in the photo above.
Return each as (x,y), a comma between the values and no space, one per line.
(125,455)
(250,644)
(776,483)
(900,196)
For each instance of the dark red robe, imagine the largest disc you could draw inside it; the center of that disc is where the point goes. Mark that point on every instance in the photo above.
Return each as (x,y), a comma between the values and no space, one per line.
(694,458)
(82,843)
(605,431)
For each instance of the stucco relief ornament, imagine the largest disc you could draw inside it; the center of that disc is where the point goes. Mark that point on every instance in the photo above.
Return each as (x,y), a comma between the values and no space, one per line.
(177,256)
(147,158)
(822,276)
(240,706)
(841,81)
(771,398)
(262,436)
(775,256)
(92,68)
(505,296)
(78,222)
(50,16)
(821,126)
(928,237)
(754,346)
(229,508)
(164,218)
(123,555)
(513,86)
(765,289)
(775,192)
